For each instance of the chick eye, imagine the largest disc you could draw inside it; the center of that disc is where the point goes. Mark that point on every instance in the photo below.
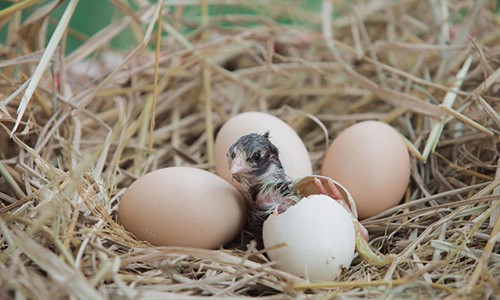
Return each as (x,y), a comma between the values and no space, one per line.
(256,156)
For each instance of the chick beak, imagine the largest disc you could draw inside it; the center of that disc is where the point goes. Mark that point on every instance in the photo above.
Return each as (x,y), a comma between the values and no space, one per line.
(238,167)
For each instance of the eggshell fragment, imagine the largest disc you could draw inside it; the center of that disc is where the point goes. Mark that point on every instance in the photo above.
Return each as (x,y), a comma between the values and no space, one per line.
(372,161)
(182,206)
(293,152)
(319,238)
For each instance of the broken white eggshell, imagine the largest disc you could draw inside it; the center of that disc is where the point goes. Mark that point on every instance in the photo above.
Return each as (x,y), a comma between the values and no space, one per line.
(318,236)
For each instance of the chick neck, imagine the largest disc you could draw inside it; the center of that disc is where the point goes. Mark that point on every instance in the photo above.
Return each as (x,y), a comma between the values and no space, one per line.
(270,191)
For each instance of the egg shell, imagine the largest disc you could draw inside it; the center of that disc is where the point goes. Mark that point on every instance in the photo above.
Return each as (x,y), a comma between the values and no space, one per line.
(182,206)
(293,153)
(372,161)
(319,238)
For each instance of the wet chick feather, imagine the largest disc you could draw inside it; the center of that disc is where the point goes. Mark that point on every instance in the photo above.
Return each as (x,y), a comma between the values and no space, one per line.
(255,164)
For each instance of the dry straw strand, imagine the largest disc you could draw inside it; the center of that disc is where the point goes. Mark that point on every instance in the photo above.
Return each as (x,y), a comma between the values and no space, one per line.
(44,61)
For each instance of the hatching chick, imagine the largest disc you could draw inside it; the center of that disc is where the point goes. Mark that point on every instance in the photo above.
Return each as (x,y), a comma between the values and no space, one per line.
(254,163)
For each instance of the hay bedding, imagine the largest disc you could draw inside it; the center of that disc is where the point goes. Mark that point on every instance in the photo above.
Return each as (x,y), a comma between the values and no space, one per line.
(85,136)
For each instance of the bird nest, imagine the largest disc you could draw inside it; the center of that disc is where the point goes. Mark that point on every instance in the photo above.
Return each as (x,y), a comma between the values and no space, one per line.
(78,128)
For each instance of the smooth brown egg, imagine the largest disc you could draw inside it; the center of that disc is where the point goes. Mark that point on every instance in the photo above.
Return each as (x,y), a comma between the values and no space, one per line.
(372,161)
(293,153)
(182,206)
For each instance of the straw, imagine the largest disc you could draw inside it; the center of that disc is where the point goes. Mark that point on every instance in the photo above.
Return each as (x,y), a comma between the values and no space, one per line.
(44,61)
(103,117)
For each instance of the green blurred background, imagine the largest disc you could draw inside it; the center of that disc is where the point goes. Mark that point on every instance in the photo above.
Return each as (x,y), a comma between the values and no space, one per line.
(93,15)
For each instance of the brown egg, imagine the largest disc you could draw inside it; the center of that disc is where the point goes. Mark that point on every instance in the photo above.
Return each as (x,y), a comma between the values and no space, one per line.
(293,152)
(371,160)
(182,206)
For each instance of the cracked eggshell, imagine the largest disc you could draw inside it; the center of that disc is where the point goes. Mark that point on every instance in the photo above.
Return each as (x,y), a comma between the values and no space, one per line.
(319,238)
(293,153)
(182,206)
